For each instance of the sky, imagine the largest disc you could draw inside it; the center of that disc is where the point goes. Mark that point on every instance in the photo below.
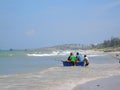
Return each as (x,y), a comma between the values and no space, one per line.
(44,23)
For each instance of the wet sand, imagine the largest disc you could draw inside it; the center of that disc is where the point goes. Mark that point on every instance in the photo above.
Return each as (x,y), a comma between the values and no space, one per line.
(111,83)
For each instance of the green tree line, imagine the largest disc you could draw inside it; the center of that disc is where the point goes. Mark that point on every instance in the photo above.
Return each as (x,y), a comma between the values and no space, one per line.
(114,42)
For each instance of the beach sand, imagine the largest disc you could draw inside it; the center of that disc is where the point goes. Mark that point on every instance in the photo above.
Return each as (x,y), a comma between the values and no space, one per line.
(111,83)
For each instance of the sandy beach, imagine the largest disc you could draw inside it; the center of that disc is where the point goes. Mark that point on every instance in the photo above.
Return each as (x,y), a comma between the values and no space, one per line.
(111,83)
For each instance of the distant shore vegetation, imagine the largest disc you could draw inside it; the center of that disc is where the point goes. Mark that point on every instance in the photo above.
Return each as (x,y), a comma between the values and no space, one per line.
(109,45)
(112,44)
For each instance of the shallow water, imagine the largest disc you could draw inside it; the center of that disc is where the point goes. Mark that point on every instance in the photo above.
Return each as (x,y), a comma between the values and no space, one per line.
(43,73)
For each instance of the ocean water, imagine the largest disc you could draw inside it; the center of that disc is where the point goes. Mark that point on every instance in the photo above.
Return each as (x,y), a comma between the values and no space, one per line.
(43,70)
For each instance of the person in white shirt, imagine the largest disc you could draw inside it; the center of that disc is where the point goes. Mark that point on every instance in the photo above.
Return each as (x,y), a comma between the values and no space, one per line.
(86,60)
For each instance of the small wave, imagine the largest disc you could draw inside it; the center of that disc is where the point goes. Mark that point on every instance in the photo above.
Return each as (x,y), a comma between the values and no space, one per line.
(96,55)
(54,53)
(41,55)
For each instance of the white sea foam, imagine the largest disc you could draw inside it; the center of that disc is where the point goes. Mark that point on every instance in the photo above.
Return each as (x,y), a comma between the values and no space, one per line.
(40,55)
(66,52)
(54,53)
(96,55)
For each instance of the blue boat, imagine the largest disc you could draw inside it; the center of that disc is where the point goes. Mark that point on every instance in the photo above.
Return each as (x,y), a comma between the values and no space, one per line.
(65,63)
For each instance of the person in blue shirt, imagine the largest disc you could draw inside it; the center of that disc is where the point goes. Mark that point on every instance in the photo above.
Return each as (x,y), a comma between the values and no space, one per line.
(79,58)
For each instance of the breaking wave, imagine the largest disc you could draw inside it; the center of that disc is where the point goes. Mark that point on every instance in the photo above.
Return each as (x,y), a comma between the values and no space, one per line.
(54,53)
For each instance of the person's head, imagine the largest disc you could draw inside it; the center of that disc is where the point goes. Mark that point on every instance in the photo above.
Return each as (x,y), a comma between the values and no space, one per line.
(77,53)
(71,53)
(85,55)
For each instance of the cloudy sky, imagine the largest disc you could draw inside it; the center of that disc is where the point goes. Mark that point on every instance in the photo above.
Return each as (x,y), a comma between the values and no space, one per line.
(43,23)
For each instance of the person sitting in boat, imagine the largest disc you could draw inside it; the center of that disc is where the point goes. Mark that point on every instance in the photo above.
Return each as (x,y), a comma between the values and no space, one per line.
(78,57)
(68,59)
(73,59)
(86,60)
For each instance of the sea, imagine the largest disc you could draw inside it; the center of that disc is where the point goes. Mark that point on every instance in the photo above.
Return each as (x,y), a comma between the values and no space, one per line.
(43,70)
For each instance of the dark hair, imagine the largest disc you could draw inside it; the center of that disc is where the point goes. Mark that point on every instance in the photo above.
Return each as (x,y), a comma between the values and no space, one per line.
(77,53)
(85,55)
(71,53)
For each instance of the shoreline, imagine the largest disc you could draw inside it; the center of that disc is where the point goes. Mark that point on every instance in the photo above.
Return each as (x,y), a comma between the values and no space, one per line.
(110,83)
